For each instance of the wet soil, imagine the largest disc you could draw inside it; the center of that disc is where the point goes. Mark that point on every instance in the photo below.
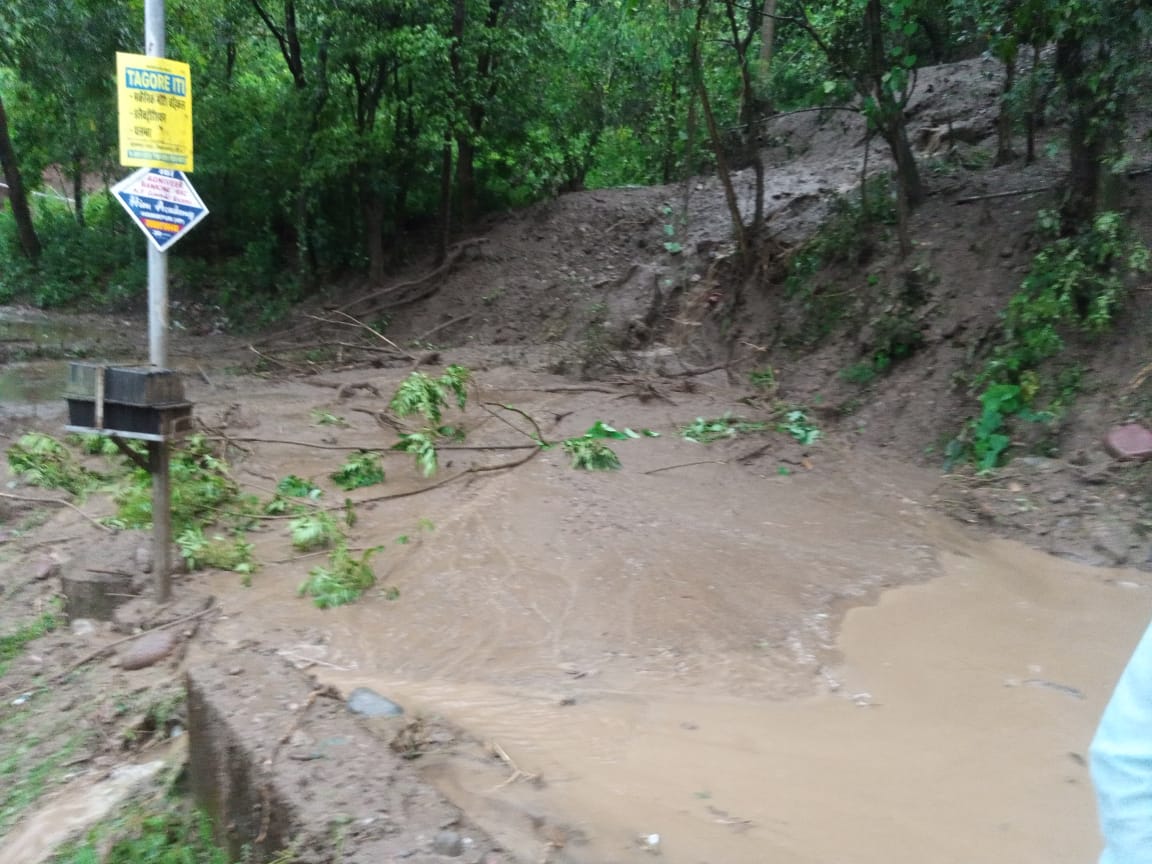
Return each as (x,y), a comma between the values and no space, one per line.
(750,650)
(663,650)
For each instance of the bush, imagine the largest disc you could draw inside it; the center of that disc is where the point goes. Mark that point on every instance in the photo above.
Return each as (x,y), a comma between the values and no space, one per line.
(100,265)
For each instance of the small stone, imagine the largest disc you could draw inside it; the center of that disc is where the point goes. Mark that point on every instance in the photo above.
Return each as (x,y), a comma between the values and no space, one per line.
(1114,543)
(82,626)
(1130,441)
(235,670)
(45,568)
(1057,495)
(148,650)
(368,703)
(1007,252)
(449,844)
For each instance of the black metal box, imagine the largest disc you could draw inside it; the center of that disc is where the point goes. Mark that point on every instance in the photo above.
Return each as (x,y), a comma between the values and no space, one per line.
(127,385)
(152,422)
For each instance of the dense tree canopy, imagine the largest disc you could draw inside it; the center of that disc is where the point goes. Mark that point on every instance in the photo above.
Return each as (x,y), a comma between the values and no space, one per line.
(333,135)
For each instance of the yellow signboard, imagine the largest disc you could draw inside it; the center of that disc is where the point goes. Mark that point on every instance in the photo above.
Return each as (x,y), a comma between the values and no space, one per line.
(155,99)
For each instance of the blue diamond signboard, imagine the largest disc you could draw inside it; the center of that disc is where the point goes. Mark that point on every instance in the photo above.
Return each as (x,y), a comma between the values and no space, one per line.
(162,202)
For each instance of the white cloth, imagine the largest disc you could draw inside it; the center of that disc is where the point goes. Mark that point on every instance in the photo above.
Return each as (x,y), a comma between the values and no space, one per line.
(1121,758)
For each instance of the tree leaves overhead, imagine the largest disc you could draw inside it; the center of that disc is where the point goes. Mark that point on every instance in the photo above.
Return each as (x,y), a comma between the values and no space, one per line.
(327,132)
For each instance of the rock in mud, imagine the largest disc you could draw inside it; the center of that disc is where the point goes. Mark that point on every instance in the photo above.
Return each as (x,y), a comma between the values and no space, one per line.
(45,568)
(1132,441)
(1114,543)
(449,844)
(368,703)
(82,626)
(149,649)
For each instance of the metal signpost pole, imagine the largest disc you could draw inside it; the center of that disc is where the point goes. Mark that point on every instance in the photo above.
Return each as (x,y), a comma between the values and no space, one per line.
(154,46)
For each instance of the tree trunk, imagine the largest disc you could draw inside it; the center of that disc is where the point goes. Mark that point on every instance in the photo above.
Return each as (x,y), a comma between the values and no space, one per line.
(725,174)
(890,118)
(767,40)
(29,242)
(78,190)
(671,131)
(445,199)
(373,210)
(1004,153)
(907,172)
(1030,121)
(400,217)
(1082,198)
(466,177)
(1085,143)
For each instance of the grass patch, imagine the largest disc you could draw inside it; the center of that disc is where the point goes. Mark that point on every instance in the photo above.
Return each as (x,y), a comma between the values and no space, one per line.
(22,783)
(177,834)
(12,645)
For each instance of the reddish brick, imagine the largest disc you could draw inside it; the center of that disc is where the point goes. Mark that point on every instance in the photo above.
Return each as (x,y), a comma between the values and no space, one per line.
(1130,441)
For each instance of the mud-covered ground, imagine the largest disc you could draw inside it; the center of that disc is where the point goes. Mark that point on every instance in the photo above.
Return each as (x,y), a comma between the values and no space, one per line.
(659,650)
(752,649)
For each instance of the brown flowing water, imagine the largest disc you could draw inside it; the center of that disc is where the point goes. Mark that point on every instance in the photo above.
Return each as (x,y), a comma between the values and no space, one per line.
(669,663)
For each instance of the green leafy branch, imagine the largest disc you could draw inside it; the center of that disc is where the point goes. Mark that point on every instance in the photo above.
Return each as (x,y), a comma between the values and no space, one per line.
(342,580)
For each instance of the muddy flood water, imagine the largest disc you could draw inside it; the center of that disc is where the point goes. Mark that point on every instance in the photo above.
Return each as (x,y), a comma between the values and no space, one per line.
(666,659)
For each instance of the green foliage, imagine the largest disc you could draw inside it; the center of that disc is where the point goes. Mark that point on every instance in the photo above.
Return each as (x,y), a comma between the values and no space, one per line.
(174,835)
(847,240)
(600,429)
(421,394)
(705,431)
(847,236)
(895,337)
(344,579)
(423,446)
(763,379)
(862,373)
(986,439)
(217,552)
(98,265)
(428,397)
(361,469)
(201,487)
(13,644)
(297,487)
(1075,284)
(42,460)
(25,775)
(100,445)
(797,424)
(325,418)
(315,531)
(591,454)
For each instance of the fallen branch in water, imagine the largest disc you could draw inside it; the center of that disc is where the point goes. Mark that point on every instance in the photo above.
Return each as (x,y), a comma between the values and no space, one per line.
(479,469)
(355,322)
(686,465)
(487,406)
(518,773)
